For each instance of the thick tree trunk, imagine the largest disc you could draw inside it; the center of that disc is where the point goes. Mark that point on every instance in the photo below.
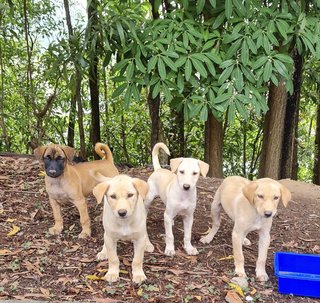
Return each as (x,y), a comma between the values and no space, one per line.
(316,167)
(93,75)
(288,167)
(270,159)
(214,146)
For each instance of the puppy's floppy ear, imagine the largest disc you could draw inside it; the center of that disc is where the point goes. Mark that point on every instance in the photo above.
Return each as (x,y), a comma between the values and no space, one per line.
(99,190)
(174,163)
(68,151)
(204,168)
(141,186)
(39,152)
(249,190)
(285,195)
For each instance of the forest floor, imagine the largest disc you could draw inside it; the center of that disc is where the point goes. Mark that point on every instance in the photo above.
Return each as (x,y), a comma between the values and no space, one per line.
(35,265)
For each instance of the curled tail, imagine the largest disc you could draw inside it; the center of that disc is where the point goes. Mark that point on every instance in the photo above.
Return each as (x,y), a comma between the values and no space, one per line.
(155,152)
(103,151)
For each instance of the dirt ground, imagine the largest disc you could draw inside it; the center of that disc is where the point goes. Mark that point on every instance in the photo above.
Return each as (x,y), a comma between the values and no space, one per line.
(35,265)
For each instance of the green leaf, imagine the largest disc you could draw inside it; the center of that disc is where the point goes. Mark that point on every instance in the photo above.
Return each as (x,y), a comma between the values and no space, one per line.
(156,90)
(185,39)
(283,28)
(228,8)
(180,82)
(140,65)
(199,67)
(188,69)
(152,63)
(227,63)
(200,6)
(225,74)
(284,58)
(231,113)
(266,44)
(241,109)
(127,97)
(233,49)
(237,74)
(218,20)
(135,92)
(251,45)
(170,63)
(213,3)
(213,56)
(162,69)
(258,63)
(244,53)
(204,113)
(280,68)
(181,61)
(118,91)
(120,64)
(208,45)
(240,7)
(211,68)
(120,32)
(166,92)
(130,71)
(267,71)
(221,98)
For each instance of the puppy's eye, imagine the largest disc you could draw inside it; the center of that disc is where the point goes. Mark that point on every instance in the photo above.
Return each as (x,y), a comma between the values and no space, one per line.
(181,172)
(130,195)
(194,173)
(276,198)
(59,158)
(260,196)
(47,158)
(113,196)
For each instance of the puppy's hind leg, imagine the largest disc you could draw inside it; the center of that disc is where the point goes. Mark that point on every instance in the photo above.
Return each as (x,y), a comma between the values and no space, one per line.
(82,207)
(216,218)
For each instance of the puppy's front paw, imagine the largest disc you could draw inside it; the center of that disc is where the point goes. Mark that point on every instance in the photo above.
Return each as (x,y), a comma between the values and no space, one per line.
(262,277)
(149,247)
(169,251)
(102,255)
(206,239)
(138,277)
(112,276)
(246,242)
(191,251)
(84,234)
(55,230)
(241,273)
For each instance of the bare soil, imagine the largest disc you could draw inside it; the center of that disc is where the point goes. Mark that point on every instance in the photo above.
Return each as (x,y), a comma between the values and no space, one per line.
(36,265)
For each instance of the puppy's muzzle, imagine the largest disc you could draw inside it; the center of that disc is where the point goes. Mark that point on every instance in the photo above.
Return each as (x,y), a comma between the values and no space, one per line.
(186,186)
(268,214)
(122,213)
(52,173)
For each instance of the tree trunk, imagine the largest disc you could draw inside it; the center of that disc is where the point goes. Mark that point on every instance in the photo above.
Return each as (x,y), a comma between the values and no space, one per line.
(176,133)
(288,167)
(214,146)
(270,159)
(93,73)
(154,109)
(316,167)
(76,93)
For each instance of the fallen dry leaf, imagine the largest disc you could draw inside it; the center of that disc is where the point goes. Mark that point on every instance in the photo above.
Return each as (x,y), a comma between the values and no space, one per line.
(15,229)
(232,297)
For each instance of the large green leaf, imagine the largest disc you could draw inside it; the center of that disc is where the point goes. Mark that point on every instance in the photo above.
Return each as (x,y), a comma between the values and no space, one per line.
(188,69)
(199,67)
(162,69)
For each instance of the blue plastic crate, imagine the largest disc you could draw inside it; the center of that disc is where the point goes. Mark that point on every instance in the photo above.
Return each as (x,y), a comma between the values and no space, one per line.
(298,274)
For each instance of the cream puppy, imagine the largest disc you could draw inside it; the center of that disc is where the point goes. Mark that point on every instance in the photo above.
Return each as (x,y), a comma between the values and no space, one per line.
(177,189)
(124,218)
(251,205)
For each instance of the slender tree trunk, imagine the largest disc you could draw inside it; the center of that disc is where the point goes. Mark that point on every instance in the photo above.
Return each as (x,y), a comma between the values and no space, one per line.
(270,159)
(154,110)
(316,167)
(177,138)
(213,146)
(4,135)
(76,92)
(93,73)
(288,167)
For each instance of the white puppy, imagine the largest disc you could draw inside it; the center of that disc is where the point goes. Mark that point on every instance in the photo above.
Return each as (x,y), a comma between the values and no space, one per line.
(124,217)
(251,205)
(179,193)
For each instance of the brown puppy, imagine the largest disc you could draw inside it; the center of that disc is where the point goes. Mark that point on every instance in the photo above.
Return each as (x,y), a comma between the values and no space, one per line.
(66,182)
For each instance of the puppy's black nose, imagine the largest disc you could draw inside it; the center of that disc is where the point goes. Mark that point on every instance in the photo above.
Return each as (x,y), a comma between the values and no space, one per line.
(186,186)
(52,172)
(122,212)
(268,214)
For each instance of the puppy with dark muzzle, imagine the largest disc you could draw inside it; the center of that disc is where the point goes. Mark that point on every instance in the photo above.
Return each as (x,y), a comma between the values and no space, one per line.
(66,182)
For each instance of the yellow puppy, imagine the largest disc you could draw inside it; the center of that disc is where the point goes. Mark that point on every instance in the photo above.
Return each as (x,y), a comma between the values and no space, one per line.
(124,218)
(251,205)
